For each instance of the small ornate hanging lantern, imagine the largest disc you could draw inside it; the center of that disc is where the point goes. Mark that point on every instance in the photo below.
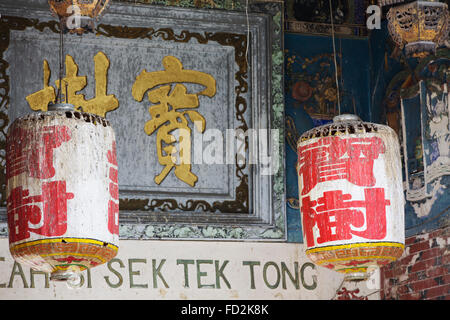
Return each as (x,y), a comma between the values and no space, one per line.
(420,26)
(83,11)
(351,195)
(62,191)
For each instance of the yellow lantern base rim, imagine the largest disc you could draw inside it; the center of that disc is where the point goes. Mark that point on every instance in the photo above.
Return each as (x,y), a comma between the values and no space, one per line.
(63,240)
(357,244)
(63,257)
(356,260)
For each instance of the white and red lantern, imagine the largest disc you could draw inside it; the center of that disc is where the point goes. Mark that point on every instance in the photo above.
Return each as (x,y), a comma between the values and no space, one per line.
(62,191)
(351,195)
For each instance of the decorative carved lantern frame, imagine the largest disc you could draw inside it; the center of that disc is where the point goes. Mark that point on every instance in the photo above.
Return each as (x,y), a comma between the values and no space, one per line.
(419,26)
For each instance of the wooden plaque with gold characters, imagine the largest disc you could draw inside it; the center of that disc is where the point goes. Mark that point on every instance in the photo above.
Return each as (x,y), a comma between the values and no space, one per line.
(195,97)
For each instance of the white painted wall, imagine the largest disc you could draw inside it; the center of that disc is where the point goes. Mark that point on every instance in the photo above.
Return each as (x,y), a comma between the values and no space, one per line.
(198,262)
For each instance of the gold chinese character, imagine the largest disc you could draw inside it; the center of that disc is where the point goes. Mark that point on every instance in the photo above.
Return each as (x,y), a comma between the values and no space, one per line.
(166,116)
(99,105)
(44,96)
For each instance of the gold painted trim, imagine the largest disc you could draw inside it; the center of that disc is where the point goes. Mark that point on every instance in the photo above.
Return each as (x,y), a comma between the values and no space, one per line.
(357,245)
(356,258)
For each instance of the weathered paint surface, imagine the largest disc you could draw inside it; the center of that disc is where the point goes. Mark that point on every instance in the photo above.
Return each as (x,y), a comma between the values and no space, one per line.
(62,191)
(423,270)
(192,270)
(351,196)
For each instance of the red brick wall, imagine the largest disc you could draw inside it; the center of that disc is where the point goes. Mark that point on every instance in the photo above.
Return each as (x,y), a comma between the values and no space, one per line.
(423,272)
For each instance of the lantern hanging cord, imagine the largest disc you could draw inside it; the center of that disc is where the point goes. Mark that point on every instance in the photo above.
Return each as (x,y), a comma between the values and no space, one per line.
(61,66)
(248,34)
(418,17)
(335,61)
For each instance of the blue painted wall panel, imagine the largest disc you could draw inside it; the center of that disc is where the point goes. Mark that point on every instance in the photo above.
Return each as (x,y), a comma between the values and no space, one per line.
(309,61)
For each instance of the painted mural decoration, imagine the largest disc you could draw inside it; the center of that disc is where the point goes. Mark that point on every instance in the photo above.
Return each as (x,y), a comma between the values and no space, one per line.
(395,82)
(72,83)
(166,116)
(416,107)
(426,135)
(312,96)
(314,89)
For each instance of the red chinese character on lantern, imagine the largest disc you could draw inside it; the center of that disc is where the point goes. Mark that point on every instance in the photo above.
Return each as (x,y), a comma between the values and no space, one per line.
(113,206)
(335,215)
(25,215)
(34,155)
(333,158)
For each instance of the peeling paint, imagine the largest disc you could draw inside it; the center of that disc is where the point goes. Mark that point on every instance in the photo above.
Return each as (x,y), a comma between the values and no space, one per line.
(441,242)
(423,209)
(421,274)
(424,236)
